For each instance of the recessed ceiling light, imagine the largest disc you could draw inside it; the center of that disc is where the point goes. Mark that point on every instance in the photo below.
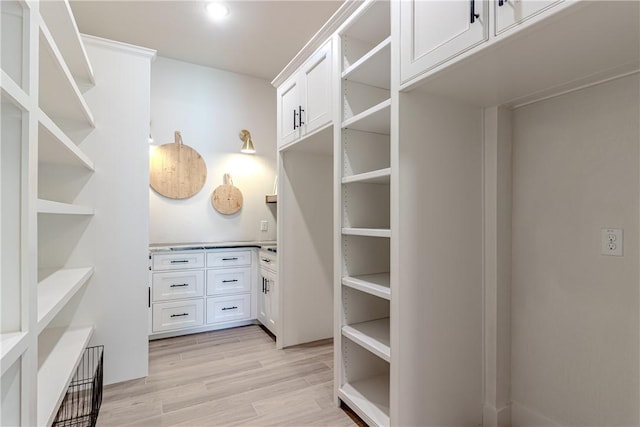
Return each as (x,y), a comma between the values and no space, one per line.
(217,11)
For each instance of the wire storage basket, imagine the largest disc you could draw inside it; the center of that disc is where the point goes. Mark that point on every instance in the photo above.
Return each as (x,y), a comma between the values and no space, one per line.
(81,404)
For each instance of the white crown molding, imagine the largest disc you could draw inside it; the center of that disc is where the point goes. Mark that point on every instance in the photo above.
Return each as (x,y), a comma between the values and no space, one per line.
(318,39)
(119,46)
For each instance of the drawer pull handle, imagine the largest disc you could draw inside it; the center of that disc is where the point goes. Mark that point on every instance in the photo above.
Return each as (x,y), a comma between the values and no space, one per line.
(235,258)
(180,315)
(229,308)
(266,260)
(230,281)
(179,261)
(179,285)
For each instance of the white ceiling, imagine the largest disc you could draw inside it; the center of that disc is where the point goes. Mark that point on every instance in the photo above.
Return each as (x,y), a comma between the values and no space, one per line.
(258,38)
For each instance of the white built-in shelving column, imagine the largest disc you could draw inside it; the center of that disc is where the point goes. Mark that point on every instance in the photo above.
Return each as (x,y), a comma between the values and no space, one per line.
(43,170)
(363,288)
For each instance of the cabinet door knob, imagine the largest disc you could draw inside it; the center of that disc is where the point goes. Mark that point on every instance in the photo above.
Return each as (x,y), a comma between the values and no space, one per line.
(179,261)
(300,115)
(179,285)
(235,258)
(230,281)
(295,125)
(180,315)
(229,308)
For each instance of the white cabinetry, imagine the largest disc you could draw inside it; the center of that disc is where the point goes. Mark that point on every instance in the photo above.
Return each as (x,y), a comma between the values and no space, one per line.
(304,100)
(43,115)
(509,13)
(197,290)
(433,32)
(268,296)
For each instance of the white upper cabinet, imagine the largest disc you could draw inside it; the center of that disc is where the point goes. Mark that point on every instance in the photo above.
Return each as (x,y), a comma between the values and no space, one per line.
(288,104)
(509,13)
(433,32)
(304,100)
(316,85)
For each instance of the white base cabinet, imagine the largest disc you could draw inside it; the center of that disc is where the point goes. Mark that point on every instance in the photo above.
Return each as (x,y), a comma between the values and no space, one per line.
(268,291)
(197,290)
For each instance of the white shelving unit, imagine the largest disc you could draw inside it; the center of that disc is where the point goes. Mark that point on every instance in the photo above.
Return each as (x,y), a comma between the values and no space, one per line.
(44,117)
(363,288)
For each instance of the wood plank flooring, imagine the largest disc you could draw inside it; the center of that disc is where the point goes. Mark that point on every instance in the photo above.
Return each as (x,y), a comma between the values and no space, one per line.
(233,377)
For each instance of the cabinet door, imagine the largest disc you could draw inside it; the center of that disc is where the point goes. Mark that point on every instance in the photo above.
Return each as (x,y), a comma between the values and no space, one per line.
(177,285)
(509,13)
(288,111)
(262,300)
(272,301)
(433,32)
(316,95)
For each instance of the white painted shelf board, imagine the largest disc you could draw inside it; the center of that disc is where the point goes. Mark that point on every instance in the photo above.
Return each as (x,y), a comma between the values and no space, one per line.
(371,232)
(54,146)
(372,335)
(376,119)
(55,291)
(374,68)
(57,208)
(381,176)
(11,90)
(374,284)
(59,352)
(60,21)
(369,398)
(12,345)
(59,92)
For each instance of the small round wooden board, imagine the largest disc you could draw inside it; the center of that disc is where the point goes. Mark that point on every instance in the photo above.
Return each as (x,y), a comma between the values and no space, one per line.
(176,170)
(226,198)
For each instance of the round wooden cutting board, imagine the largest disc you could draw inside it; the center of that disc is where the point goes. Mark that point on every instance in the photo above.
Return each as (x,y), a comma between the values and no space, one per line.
(176,170)
(226,198)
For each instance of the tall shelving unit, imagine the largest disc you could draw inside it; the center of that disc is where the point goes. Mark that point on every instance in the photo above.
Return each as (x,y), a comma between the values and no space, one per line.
(363,159)
(44,119)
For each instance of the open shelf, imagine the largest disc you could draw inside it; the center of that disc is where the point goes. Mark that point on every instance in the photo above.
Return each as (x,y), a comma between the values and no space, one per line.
(60,97)
(373,69)
(13,92)
(369,232)
(369,398)
(374,284)
(12,345)
(381,176)
(59,352)
(372,335)
(56,147)
(57,208)
(60,21)
(376,119)
(57,289)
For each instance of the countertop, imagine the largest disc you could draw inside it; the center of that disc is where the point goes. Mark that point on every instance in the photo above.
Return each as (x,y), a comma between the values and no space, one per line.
(164,247)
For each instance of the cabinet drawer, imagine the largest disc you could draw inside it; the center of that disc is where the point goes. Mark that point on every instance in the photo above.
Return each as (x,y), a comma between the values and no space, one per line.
(225,309)
(228,259)
(178,285)
(178,315)
(228,281)
(268,260)
(178,260)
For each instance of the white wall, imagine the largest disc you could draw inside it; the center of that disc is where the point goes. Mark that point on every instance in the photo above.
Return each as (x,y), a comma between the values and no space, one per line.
(210,107)
(575,312)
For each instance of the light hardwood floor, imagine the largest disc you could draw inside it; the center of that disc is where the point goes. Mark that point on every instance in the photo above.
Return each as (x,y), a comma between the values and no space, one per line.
(228,377)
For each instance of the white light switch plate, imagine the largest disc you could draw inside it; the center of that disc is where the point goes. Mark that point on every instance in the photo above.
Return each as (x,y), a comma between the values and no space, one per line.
(264,225)
(612,241)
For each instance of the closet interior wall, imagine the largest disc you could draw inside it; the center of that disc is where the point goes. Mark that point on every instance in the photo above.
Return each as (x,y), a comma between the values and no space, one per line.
(305,224)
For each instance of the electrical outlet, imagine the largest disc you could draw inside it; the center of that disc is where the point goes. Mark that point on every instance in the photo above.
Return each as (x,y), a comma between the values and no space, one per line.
(264,225)
(612,241)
